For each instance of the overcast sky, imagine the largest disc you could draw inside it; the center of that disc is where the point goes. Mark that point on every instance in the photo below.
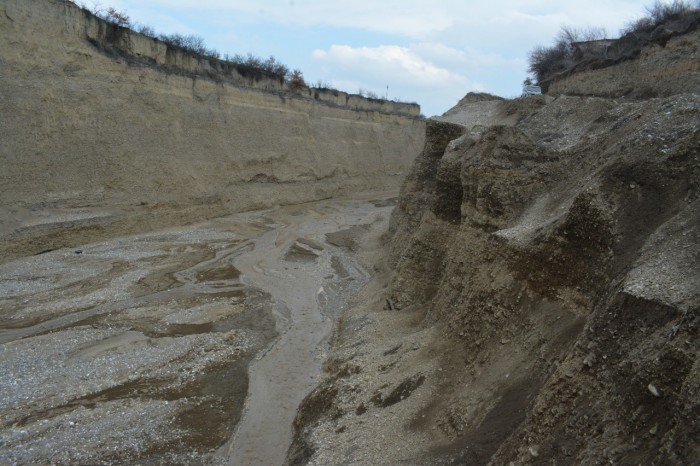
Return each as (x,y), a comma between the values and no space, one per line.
(429,52)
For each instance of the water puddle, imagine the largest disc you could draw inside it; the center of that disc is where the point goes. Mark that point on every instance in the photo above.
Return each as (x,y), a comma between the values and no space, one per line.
(223,272)
(312,289)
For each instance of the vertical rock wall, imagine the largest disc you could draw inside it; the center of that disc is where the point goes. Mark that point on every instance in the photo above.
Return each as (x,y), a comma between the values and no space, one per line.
(100,122)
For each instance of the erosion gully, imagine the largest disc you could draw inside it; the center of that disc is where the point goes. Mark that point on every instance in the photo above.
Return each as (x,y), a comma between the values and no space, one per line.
(190,345)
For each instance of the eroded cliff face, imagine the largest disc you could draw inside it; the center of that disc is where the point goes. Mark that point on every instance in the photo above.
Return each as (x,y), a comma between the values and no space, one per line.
(667,66)
(540,301)
(106,131)
(567,267)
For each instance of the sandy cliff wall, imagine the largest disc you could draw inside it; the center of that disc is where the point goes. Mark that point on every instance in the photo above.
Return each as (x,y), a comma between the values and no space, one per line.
(88,134)
(63,17)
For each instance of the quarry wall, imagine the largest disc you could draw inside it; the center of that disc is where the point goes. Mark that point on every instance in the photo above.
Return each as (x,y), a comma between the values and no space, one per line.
(541,302)
(561,253)
(97,118)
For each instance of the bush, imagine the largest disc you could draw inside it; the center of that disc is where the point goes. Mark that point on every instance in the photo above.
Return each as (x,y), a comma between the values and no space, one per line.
(111,14)
(368,94)
(273,66)
(544,62)
(119,18)
(146,30)
(657,14)
(547,61)
(322,85)
(296,81)
(190,42)
(270,65)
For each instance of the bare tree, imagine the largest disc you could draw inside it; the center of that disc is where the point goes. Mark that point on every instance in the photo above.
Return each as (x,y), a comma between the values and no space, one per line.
(119,18)
(296,81)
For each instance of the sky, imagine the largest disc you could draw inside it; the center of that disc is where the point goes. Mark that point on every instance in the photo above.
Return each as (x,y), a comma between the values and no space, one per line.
(429,52)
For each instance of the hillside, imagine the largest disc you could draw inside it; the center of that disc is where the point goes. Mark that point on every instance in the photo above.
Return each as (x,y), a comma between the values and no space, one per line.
(537,299)
(659,62)
(107,131)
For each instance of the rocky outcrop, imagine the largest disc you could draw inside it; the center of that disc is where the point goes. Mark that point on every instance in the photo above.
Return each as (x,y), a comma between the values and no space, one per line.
(564,264)
(105,131)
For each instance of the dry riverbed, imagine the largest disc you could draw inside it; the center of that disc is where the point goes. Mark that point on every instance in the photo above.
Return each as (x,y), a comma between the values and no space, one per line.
(185,346)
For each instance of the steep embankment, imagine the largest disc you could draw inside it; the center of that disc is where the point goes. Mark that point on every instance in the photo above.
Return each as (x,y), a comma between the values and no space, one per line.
(540,300)
(566,271)
(669,64)
(105,131)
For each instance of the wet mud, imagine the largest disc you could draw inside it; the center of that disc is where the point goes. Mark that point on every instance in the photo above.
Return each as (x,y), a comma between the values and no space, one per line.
(185,346)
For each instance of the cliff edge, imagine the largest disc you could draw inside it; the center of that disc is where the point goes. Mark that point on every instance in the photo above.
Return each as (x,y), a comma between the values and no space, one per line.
(106,131)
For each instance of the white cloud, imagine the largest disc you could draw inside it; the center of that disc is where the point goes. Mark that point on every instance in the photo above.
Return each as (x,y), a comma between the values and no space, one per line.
(420,19)
(391,61)
(407,71)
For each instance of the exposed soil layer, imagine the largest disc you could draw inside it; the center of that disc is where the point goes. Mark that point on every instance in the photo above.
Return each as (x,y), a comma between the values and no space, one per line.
(537,296)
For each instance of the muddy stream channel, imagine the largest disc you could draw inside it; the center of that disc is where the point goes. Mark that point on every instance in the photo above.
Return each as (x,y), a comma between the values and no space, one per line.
(184,346)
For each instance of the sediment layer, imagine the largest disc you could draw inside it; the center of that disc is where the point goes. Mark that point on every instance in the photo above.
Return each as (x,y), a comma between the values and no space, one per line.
(106,131)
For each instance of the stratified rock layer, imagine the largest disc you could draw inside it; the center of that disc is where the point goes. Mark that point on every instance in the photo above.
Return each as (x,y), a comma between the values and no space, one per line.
(106,131)
(579,252)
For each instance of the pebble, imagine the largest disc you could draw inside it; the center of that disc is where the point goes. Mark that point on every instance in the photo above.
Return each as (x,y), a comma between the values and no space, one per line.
(653,390)
(534,451)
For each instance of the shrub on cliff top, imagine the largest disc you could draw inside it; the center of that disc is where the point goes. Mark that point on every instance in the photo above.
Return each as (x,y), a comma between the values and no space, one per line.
(270,65)
(117,17)
(296,81)
(190,42)
(248,64)
(109,14)
(657,14)
(545,62)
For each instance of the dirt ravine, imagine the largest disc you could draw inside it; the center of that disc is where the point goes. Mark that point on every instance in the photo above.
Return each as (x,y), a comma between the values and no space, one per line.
(137,349)
(531,296)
